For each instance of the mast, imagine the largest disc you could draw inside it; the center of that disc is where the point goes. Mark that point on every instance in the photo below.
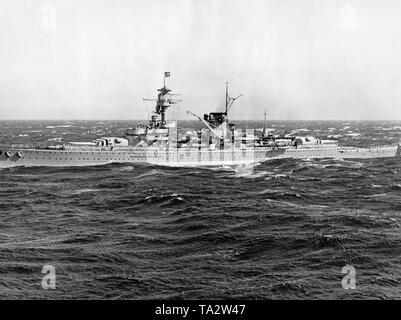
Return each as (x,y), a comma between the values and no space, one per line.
(166,74)
(162,101)
(218,122)
(229,101)
(226,98)
(264,125)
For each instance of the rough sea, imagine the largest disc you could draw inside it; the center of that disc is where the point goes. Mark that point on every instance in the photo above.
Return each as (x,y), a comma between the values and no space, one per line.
(281,230)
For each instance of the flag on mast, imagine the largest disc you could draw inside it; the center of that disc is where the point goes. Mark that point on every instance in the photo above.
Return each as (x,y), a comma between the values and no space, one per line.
(166,74)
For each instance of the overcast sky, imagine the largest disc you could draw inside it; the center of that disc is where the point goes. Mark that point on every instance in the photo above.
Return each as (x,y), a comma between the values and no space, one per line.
(300,59)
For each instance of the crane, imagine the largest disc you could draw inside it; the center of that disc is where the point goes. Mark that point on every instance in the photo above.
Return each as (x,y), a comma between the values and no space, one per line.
(207,125)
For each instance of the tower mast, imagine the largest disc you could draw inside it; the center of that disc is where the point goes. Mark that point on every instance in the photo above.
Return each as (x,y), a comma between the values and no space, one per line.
(264,125)
(226,98)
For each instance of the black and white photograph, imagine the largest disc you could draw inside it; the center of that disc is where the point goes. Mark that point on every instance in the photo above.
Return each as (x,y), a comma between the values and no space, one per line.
(200,150)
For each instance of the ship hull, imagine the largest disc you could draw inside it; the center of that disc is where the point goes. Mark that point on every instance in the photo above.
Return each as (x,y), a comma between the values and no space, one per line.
(319,152)
(183,158)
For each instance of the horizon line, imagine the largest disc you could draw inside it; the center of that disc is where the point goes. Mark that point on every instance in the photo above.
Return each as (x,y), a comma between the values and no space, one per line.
(94,119)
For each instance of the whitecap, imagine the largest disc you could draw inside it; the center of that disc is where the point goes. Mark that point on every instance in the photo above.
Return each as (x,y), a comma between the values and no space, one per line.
(127,168)
(85,190)
(61,126)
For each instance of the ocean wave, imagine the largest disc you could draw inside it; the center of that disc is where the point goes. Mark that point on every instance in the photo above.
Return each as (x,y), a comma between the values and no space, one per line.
(236,232)
(60,126)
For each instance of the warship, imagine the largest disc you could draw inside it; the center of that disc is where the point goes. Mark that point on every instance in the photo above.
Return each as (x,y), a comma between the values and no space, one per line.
(159,142)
